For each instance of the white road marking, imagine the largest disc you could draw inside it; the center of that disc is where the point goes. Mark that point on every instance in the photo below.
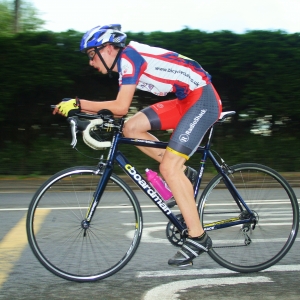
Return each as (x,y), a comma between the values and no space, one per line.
(147,238)
(216,271)
(169,291)
(13,209)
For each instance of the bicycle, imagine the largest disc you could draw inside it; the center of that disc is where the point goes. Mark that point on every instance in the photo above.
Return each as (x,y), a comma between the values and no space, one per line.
(85,223)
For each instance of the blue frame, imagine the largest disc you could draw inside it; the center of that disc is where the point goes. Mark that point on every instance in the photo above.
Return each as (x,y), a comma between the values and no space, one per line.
(129,169)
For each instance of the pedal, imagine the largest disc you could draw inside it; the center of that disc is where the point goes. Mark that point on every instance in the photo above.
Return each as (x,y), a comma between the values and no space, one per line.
(190,264)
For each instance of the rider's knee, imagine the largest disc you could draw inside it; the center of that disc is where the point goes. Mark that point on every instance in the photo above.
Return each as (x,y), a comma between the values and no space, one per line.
(130,129)
(165,170)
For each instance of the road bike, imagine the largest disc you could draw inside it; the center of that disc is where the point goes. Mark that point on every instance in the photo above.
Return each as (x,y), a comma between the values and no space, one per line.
(85,223)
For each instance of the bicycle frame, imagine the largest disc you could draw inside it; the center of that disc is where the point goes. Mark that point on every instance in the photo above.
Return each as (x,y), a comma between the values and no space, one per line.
(129,169)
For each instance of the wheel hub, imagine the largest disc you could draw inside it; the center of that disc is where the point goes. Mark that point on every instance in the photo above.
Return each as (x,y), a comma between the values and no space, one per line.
(85,224)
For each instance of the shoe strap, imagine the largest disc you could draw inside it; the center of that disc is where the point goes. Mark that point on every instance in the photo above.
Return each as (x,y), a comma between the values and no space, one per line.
(197,245)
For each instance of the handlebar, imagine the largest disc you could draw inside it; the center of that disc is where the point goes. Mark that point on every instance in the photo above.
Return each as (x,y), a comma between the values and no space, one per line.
(103,119)
(86,126)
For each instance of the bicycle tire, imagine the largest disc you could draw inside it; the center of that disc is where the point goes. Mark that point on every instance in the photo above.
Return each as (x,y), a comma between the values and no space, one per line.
(57,238)
(274,202)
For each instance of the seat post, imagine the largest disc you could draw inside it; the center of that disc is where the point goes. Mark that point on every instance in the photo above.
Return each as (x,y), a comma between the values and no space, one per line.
(210,136)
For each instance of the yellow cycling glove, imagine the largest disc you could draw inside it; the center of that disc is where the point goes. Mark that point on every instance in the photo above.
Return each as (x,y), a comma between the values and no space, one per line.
(69,107)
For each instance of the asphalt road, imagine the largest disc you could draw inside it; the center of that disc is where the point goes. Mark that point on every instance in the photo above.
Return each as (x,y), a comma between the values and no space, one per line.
(147,276)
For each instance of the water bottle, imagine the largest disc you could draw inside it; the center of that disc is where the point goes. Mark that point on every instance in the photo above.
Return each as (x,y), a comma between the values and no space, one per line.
(159,185)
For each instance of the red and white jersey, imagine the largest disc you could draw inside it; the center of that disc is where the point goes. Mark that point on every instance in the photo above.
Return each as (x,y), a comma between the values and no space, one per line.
(160,71)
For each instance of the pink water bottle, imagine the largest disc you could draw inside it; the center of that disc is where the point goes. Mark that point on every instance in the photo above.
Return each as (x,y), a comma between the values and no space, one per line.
(159,185)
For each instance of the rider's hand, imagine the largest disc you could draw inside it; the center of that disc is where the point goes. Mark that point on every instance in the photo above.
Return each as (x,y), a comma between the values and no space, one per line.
(68,107)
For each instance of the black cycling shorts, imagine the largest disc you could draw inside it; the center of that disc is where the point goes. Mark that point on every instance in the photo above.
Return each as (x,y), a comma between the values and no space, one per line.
(190,118)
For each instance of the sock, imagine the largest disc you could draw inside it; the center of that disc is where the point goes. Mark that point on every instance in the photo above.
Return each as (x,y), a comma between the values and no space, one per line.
(200,237)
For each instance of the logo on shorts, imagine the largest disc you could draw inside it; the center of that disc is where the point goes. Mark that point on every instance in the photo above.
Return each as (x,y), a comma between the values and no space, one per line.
(159,105)
(185,136)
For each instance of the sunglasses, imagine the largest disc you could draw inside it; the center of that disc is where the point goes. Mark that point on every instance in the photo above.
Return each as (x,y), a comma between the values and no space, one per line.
(92,53)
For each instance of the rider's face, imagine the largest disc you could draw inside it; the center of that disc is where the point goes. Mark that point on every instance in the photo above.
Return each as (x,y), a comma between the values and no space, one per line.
(96,62)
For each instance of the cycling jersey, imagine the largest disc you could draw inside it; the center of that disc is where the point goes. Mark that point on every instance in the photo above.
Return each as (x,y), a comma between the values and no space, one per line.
(160,71)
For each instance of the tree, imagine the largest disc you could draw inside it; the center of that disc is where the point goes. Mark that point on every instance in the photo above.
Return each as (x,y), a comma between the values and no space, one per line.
(18,16)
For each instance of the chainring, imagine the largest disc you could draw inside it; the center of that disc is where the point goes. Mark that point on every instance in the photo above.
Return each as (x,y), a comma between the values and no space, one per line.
(173,235)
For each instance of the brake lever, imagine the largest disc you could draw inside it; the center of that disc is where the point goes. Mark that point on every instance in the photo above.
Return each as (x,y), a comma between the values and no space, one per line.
(73,125)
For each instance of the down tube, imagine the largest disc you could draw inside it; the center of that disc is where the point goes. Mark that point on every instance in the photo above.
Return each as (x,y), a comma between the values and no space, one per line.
(147,189)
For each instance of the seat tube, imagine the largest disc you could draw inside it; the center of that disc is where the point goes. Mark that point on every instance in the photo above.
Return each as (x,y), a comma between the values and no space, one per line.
(200,172)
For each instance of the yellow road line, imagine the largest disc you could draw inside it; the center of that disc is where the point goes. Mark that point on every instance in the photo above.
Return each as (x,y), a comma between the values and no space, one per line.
(13,244)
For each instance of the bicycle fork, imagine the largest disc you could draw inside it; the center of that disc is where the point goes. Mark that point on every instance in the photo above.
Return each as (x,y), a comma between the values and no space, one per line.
(85,224)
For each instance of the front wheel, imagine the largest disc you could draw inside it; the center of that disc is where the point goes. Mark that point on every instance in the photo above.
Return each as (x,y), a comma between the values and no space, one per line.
(250,247)
(56,231)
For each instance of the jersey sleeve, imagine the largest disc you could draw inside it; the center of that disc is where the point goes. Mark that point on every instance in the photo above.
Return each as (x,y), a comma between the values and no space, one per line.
(132,65)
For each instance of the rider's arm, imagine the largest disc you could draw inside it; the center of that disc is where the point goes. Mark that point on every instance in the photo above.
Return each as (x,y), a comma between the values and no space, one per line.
(119,107)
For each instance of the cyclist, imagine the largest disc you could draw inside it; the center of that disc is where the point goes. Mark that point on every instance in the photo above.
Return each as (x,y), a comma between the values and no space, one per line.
(195,109)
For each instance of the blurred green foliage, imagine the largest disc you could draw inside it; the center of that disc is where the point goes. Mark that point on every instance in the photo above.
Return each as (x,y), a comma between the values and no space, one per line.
(29,19)
(256,74)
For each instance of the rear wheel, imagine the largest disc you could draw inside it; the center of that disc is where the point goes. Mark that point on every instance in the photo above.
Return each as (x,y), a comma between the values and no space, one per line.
(251,247)
(58,237)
